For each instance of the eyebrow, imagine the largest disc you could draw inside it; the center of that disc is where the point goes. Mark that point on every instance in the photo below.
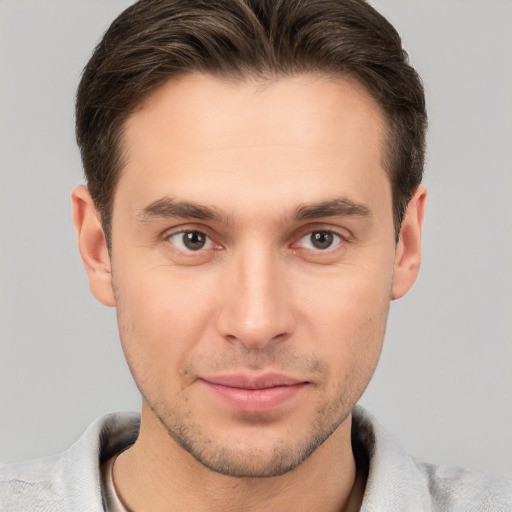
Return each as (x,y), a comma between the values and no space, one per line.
(335,207)
(168,207)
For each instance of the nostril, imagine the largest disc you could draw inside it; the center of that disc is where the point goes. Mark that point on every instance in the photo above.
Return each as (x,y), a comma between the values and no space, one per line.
(232,339)
(256,341)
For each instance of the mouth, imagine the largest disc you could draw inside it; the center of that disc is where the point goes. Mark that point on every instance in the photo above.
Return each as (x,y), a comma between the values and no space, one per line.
(254,394)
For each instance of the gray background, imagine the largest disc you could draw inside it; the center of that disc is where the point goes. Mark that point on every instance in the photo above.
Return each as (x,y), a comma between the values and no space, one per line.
(444,385)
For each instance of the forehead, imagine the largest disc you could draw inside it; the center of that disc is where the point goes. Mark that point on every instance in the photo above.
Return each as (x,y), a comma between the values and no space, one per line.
(201,131)
(257,107)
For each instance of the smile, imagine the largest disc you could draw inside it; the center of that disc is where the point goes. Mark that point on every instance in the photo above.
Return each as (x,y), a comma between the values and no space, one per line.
(254,394)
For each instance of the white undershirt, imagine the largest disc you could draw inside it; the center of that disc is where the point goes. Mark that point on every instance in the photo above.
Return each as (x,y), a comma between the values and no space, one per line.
(111,499)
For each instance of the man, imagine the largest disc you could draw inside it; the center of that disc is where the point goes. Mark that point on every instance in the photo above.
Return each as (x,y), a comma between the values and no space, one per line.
(254,202)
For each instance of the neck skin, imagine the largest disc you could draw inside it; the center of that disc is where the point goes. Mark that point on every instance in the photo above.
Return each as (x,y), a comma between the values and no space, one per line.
(157,474)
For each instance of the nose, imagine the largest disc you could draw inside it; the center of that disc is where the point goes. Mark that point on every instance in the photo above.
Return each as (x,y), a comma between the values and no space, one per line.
(256,308)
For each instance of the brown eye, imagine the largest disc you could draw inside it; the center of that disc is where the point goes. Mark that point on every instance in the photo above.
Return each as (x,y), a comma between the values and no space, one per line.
(320,240)
(190,240)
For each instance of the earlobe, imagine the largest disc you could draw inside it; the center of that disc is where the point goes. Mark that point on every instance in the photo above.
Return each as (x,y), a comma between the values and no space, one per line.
(92,245)
(408,250)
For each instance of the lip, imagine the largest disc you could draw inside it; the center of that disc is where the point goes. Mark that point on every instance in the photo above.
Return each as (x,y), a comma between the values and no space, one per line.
(254,394)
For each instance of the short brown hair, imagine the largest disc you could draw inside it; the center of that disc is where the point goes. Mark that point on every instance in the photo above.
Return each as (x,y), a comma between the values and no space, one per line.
(155,40)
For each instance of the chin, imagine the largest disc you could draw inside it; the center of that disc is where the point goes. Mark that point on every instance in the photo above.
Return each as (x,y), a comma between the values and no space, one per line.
(256,453)
(252,462)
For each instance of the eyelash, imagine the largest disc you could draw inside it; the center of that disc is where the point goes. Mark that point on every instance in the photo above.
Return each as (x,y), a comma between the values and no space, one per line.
(195,232)
(336,239)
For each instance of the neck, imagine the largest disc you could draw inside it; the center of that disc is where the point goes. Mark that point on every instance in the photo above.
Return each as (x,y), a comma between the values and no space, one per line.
(159,475)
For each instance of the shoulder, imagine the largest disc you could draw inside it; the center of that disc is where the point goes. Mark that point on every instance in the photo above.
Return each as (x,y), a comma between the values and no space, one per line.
(398,482)
(70,480)
(30,485)
(456,488)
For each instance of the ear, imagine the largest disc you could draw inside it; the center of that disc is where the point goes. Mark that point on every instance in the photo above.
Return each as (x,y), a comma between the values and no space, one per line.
(92,245)
(408,249)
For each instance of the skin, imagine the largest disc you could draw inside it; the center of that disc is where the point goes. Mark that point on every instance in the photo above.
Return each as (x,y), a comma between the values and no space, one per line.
(260,161)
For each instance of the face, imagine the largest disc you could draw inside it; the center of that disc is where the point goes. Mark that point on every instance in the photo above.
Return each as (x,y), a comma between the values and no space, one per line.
(253,259)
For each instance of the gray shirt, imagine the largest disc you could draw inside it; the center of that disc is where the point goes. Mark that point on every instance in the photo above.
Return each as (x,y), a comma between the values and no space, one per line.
(71,481)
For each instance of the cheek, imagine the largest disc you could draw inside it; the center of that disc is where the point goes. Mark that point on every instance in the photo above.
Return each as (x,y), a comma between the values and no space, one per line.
(354,299)
(352,346)
(160,321)
(346,317)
